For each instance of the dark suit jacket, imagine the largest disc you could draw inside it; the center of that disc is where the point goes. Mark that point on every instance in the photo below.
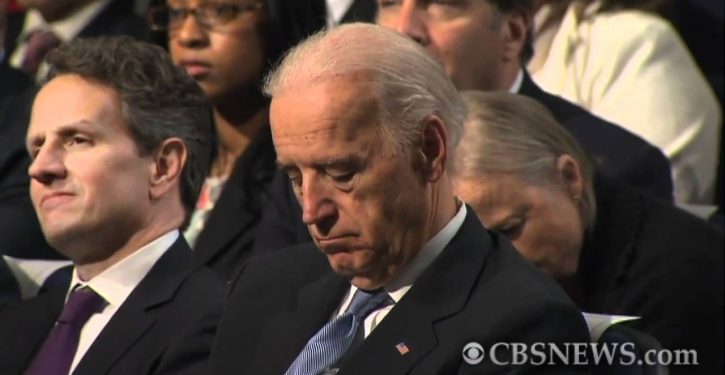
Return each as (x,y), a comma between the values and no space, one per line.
(20,234)
(478,289)
(228,234)
(615,151)
(117,18)
(164,327)
(650,259)
(9,291)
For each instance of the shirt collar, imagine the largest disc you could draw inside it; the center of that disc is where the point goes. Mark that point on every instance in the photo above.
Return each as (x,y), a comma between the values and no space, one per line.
(118,281)
(430,251)
(67,28)
(336,9)
(516,87)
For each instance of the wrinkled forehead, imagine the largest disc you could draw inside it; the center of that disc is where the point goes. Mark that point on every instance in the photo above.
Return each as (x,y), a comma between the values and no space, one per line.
(341,106)
(69,99)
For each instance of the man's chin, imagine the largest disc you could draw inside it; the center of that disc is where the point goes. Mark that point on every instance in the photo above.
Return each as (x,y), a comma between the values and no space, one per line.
(359,277)
(342,264)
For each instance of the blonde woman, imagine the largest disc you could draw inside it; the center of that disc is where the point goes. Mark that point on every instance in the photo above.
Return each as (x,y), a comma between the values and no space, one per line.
(614,250)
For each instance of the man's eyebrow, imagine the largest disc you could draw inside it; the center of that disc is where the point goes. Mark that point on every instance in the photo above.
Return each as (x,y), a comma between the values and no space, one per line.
(339,162)
(34,141)
(283,166)
(37,140)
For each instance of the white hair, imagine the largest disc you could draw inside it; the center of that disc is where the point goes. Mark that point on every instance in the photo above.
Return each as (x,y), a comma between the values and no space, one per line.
(410,86)
(515,135)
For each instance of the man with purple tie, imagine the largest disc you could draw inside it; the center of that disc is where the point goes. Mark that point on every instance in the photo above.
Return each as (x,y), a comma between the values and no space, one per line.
(119,140)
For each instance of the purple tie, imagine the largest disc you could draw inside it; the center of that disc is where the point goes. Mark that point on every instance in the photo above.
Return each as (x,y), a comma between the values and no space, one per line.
(58,350)
(40,42)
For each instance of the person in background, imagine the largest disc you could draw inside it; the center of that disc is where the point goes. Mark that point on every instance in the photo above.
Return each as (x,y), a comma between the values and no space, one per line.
(624,63)
(482,45)
(227,47)
(47,23)
(614,250)
(401,275)
(120,142)
(22,245)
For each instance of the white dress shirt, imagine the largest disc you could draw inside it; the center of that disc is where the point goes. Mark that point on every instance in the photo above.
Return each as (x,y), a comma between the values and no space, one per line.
(404,281)
(632,69)
(336,9)
(115,284)
(516,86)
(66,29)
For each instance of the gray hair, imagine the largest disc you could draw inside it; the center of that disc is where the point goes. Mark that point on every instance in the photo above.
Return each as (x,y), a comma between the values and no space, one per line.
(409,84)
(159,99)
(513,134)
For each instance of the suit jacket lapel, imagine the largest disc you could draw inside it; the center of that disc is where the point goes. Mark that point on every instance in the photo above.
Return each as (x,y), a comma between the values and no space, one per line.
(24,327)
(441,291)
(239,206)
(139,312)
(315,304)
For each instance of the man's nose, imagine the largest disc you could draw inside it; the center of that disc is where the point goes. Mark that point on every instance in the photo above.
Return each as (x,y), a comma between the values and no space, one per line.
(47,166)
(318,207)
(411,21)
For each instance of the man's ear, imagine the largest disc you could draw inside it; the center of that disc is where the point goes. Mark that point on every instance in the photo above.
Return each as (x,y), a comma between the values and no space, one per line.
(571,176)
(433,148)
(514,30)
(169,160)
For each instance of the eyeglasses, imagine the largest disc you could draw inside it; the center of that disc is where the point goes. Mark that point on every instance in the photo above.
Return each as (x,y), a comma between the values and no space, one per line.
(212,16)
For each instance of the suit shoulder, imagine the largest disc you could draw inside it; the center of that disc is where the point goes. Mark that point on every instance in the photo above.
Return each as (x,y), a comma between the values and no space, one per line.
(510,268)
(295,263)
(672,233)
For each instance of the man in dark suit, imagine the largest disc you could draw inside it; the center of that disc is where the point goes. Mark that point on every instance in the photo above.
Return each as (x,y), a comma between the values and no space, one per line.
(482,45)
(120,144)
(401,276)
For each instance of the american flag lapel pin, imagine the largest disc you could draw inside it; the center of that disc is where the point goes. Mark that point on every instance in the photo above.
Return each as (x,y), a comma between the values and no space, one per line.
(402,348)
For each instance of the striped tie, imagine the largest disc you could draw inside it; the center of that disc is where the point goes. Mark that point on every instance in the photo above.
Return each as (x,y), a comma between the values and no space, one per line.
(334,339)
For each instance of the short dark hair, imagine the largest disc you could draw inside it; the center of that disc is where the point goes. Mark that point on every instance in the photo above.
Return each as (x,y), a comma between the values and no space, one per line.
(527,6)
(159,100)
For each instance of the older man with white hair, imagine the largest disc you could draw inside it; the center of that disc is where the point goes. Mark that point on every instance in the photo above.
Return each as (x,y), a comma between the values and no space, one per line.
(401,275)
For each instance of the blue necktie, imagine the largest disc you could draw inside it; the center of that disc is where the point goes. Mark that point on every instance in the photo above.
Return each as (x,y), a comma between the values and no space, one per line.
(56,354)
(334,339)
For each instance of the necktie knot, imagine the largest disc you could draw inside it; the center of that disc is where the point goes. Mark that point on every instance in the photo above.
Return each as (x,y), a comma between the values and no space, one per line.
(82,303)
(56,354)
(364,302)
(334,339)
(39,42)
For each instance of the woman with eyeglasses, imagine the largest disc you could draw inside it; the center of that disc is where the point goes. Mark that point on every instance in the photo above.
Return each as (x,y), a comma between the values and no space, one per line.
(227,46)
(612,249)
